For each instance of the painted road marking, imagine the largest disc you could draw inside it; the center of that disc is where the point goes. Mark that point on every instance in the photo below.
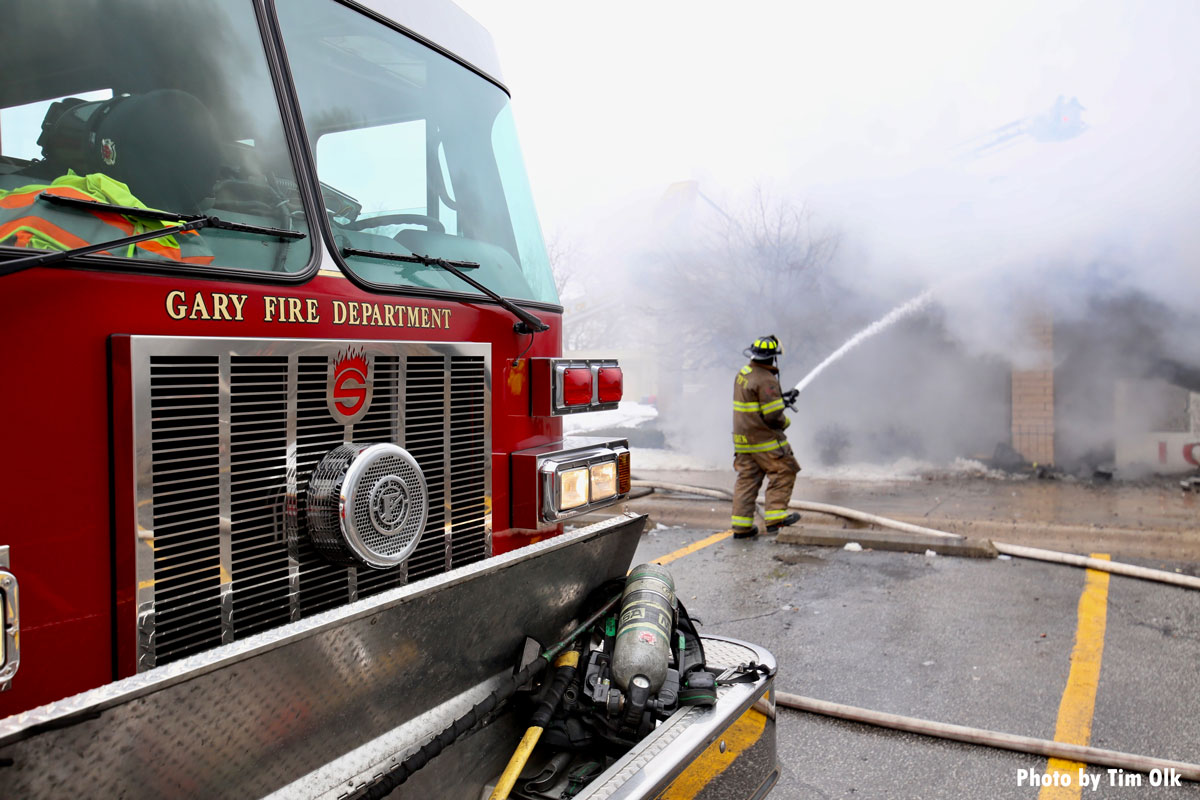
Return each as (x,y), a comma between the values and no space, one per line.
(693,547)
(1079,698)
(739,737)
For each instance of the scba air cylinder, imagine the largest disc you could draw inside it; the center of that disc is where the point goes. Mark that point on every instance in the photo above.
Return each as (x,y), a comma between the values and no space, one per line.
(643,643)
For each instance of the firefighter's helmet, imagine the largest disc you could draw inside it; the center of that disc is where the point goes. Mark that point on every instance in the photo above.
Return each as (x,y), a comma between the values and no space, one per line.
(765,348)
(164,145)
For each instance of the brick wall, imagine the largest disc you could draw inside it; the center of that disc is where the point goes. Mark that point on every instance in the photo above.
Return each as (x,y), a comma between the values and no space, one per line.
(1033,398)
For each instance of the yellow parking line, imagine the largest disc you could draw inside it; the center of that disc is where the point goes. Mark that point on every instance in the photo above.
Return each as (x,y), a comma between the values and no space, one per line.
(718,756)
(1079,698)
(693,547)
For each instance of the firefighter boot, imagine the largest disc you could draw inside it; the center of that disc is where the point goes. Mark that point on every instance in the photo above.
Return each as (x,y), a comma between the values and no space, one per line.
(790,519)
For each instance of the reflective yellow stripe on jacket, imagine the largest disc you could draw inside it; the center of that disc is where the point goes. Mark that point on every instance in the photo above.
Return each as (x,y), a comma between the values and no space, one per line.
(762,447)
(758,418)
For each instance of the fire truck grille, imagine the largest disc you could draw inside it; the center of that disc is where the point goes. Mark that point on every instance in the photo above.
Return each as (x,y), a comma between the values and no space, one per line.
(467,461)
(233,430)
(186,447)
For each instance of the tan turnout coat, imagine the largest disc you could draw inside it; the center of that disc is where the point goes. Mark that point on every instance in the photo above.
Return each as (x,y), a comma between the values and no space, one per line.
(760,447)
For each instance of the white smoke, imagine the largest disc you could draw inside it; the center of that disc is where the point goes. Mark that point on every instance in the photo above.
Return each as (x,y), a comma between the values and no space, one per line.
(876,118)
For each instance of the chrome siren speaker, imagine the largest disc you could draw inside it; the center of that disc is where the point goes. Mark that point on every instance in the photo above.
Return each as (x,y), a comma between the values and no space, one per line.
(367,504)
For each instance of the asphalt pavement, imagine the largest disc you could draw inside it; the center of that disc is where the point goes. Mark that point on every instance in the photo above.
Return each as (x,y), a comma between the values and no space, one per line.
(1153,520)
(985,643)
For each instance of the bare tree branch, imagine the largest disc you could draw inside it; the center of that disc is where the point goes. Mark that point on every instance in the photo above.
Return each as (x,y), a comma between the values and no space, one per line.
(761,268)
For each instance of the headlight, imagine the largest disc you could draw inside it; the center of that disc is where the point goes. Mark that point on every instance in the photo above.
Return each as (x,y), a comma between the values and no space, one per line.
(573,488)
(566,479)
(604,480)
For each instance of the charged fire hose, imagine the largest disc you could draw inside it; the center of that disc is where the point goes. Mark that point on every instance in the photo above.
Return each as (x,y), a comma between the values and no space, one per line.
(680,488)
(1004,741)
(1018,551)
(862,516)
(1115,567)
(1015,550)
(385,784)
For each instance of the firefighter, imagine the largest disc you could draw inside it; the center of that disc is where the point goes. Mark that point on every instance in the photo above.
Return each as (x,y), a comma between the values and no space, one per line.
(759,445)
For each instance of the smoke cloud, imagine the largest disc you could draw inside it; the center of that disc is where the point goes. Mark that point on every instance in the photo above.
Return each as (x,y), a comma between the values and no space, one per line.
(828,164)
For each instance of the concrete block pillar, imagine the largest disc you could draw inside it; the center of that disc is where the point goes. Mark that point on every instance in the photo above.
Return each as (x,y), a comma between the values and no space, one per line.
(1033,396)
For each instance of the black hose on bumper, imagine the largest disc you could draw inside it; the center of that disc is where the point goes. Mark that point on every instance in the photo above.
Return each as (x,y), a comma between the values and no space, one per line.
(388,782)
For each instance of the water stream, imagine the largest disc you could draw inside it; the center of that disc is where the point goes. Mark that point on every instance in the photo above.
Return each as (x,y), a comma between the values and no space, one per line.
(898,313)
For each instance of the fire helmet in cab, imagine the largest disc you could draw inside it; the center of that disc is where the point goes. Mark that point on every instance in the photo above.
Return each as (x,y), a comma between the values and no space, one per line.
(163,145)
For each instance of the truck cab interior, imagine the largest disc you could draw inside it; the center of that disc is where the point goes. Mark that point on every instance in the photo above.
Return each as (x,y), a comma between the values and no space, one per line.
(181,109)
(415,153)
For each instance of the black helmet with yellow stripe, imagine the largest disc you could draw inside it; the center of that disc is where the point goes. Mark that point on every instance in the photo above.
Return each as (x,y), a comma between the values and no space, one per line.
(765,348)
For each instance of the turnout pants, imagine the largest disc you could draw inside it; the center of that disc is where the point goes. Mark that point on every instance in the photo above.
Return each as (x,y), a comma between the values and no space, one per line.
(780,468)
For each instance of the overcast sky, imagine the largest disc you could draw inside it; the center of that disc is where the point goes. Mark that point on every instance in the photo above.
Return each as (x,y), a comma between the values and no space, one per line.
(626,97)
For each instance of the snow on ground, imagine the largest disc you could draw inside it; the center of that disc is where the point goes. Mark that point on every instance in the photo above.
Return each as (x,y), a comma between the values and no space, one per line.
(649,458)
(972,468)
(627,414)
(904,469)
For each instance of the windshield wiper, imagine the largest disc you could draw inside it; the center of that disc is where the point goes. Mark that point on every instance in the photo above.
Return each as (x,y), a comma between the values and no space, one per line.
(528,324)
(190,222)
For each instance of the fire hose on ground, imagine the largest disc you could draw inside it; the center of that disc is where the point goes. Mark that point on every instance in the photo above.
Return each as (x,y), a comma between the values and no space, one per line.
(1006,741)
(1004,548)
(1003,741)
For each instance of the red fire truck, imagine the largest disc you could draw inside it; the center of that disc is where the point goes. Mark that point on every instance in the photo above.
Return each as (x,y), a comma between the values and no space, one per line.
(286,392)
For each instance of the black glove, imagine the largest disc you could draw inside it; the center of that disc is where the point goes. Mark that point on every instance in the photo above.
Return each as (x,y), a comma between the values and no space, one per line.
(789,398)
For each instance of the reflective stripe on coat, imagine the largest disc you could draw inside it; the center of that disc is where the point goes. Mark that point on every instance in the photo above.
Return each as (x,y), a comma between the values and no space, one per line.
(758,419)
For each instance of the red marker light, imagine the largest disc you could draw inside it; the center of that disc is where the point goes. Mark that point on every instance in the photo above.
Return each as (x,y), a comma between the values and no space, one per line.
(577,387)
(609,384)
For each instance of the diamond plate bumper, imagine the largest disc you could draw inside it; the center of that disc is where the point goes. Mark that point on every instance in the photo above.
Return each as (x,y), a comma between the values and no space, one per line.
(278,711)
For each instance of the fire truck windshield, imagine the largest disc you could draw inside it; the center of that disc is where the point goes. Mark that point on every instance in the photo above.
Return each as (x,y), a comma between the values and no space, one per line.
(173,111)
(416,154)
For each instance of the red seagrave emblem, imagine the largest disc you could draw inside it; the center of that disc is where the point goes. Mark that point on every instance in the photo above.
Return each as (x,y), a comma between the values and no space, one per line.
(350,386)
